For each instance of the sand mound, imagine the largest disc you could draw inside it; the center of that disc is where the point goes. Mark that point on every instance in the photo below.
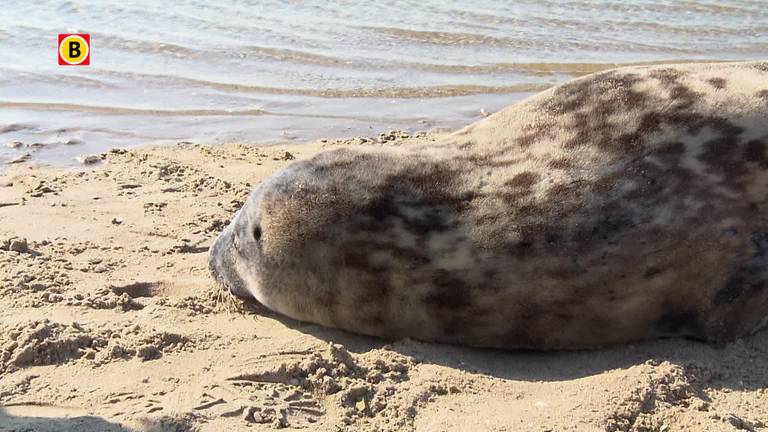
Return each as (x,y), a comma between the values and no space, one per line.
(36,343)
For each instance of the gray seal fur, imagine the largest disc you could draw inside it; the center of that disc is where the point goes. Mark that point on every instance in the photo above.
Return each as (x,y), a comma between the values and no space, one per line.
(623,205)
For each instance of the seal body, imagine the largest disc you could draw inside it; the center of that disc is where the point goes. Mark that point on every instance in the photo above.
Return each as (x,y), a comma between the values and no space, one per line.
(623,205)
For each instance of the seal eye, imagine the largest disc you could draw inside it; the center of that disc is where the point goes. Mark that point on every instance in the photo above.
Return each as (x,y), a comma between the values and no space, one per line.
(257,233)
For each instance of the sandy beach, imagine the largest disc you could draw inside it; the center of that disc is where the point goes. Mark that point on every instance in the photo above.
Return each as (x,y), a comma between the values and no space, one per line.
(109,321)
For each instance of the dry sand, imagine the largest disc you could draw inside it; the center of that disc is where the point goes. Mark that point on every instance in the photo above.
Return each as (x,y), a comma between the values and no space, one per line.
(109,321)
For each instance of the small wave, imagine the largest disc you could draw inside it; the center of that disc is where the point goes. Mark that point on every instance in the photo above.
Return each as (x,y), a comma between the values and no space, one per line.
(10,76)
(697,30)
(447,38)
(381,92)
(408,92)
(537,69)
(294,56)
(124,111)
(539,44)
(542,69)
(668,8)
(386,92)
(147,46)
(111,110)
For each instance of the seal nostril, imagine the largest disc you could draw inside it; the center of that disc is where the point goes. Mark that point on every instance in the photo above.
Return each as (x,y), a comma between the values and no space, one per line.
(257,233)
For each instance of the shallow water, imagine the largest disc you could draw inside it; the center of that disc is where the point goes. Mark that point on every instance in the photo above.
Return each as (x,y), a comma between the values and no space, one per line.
(295,70)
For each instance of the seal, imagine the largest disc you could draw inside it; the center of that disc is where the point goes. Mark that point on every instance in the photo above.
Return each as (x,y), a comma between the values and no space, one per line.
(624,205)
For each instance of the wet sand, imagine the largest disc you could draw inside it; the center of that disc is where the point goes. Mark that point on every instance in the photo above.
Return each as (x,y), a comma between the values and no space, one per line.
(109,321)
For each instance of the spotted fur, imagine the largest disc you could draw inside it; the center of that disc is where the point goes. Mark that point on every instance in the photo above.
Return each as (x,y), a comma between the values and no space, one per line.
(623,205)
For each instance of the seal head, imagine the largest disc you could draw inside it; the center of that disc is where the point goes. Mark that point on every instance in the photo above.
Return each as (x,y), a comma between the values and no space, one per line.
(334,239)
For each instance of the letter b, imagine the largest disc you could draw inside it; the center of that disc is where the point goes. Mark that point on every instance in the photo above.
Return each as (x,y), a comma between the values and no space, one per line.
(74,49)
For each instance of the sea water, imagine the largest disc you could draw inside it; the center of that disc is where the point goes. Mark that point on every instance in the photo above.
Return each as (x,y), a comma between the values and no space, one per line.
(276,71)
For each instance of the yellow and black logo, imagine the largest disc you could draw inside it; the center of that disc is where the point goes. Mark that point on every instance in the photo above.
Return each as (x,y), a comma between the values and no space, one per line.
(74,49)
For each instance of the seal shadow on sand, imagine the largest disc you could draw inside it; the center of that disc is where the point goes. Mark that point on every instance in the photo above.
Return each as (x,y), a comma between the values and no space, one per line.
(739,365)
(24,418)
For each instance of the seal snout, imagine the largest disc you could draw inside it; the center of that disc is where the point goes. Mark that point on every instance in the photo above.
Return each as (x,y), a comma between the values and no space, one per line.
(221,263)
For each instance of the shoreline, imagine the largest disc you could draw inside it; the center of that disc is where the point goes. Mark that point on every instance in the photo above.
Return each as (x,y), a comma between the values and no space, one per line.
(109,320)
